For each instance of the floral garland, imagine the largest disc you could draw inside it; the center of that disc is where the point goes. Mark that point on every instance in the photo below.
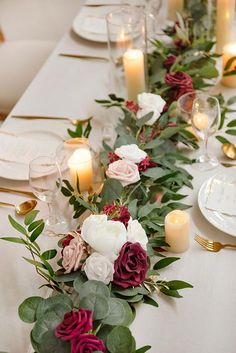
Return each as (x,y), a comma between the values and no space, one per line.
(110,262)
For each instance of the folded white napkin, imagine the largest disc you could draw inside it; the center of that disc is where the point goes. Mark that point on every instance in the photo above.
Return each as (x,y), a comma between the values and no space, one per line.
(222,197)
(23,150)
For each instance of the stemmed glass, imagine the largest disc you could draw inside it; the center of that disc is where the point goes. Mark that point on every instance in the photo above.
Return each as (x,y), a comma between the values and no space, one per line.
(45,181)
(205,120)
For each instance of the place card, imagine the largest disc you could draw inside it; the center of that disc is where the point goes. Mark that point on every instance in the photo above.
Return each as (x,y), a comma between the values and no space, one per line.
(222,197)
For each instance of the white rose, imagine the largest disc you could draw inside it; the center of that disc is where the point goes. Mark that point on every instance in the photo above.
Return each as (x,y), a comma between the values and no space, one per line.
(97,267)
(91,222)
(149,102)
(105,237)
(73,254)
(136,234)
(125,171)
(131,152)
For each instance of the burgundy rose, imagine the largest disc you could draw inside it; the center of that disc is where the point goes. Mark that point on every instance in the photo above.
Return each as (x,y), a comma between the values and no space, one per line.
(145,164)
(73,324)
(132,106)
(170,60)
(87,343)
(113,157)
(117,213)
(180,82)
(67,240)
(131,265)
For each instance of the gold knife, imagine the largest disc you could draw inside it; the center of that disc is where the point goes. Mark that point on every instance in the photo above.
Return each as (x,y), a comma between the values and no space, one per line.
(83,56)
(15,191)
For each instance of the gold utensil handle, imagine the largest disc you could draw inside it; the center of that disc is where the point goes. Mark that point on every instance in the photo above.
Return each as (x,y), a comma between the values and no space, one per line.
(35,117)
(89,57)
(229,245)
(228,165)
(6,204)
(15,191)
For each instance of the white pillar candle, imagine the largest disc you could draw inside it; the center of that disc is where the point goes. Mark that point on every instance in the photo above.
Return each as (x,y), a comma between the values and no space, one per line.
(133,60)
(229,51)
(224,23)
(200,121)
(174,6)
(80,167)
(177,226)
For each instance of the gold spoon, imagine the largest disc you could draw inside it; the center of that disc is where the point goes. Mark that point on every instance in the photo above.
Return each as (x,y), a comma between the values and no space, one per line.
(37,117)
(229,150)
(23,208)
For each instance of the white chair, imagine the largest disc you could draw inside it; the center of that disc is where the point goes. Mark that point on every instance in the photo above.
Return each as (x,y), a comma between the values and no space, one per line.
(31,29)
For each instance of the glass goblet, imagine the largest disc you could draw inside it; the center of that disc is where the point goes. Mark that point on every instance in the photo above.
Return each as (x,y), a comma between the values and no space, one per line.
(205,120)
(45,181)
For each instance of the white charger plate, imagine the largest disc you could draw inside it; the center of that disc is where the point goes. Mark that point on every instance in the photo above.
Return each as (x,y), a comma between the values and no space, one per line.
(219,220)
(20,171)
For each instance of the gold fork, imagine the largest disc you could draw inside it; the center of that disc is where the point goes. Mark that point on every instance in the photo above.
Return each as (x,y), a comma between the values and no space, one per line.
(210,245)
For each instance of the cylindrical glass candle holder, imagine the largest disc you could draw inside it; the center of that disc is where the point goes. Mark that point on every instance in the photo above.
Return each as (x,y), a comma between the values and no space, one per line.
(224,23)
(127,51)
(228,65)
(80,165)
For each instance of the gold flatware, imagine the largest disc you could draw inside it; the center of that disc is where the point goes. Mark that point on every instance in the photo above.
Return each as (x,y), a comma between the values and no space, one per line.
(15,191)
(86,57)
(229,150)
(23,208)
(228,165)
(213,246)
(114,4)
(38,117)
(118,61)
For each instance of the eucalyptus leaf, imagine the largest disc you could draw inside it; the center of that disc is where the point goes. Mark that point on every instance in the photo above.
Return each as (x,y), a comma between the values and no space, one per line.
(49,343)
(37,232)
(46,323)
(178,285)
(120,313)
(14,240)
(150,301)
(133,208)
(120,340)
(98,303)
(47,305)
(27,309)
(95,287)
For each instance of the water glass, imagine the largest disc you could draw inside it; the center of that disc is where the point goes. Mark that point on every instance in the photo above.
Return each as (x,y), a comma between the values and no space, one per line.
(205,120)
(45,181)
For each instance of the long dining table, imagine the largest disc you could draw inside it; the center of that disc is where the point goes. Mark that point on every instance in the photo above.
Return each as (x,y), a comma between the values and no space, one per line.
(204,320)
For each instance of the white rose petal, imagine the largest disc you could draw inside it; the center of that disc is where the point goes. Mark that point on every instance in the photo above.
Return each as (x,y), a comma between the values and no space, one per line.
(123,170)
(92,221)
(131,152)
(98,267)
(105,237)
(136,233)
(149,102)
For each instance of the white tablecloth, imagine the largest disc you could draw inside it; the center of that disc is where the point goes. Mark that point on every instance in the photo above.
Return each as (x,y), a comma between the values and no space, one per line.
(204,320)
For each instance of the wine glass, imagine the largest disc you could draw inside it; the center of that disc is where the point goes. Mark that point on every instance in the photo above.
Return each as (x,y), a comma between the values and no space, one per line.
(45,181)
(205,120)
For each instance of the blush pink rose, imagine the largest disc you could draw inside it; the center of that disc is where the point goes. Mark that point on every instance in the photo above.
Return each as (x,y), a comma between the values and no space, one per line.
(123,170)
(74,324)
(73,254)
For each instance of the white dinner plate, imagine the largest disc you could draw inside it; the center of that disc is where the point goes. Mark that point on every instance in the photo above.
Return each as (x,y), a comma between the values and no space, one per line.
(90,23)
(219,220)
(20,171)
